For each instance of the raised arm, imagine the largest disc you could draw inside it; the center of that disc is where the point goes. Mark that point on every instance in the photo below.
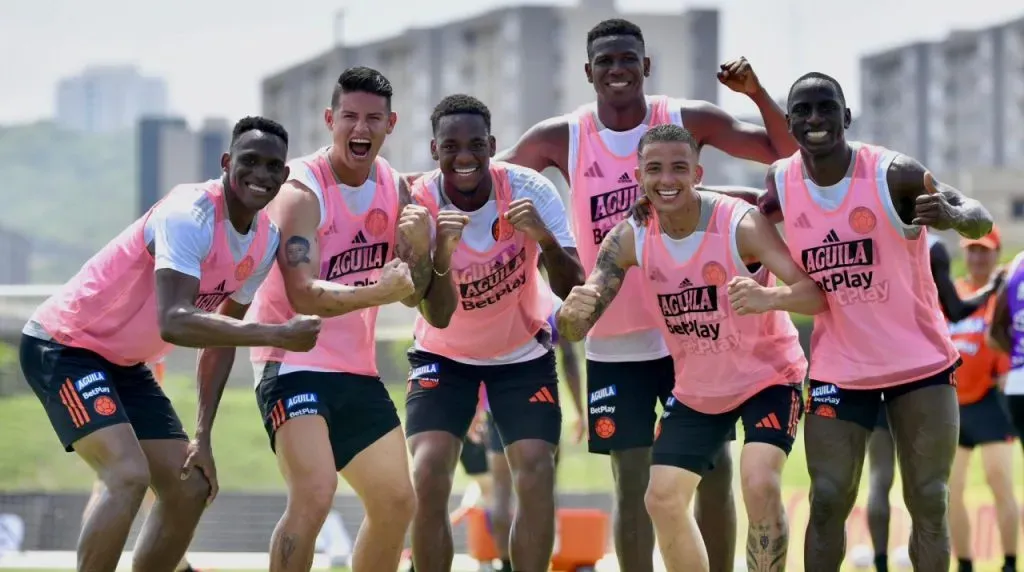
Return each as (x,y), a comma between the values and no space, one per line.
(758,239)
(441,298)
(585,304)
(953,306)
(412,243)
(714,126)
(544,145)
(929,202)
(297,212)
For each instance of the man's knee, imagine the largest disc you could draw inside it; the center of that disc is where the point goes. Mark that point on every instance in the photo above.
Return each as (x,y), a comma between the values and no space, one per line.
(431,478)
(191,493)
(394,501)
(666,495)
(831,498)
(762,490)
(128,476)
(312,497)
(928,501)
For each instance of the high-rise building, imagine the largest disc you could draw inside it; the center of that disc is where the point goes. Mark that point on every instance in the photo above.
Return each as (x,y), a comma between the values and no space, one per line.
(524,62)
(169,154)
(109,98)
(954,104)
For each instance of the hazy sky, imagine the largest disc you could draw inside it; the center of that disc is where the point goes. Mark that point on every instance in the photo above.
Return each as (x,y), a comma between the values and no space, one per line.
(213,53)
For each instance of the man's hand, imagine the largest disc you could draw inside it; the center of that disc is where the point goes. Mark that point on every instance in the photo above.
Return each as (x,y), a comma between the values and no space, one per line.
(746,296)
(414,225)
(738,76)
(450,225)
(299,334)
(579,428)
(932,209)
(396,281)
(641,211)
(523,216)
(200,456)
(579,307)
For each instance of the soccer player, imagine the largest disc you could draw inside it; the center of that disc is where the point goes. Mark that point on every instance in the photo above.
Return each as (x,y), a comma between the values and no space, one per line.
(351,242)
(855,216)
(628,367)
(485,318)
(881,450)
(183,274)
(735,348)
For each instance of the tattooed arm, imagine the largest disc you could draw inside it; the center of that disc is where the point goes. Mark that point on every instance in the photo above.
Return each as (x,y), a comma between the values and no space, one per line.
(296,211)
(412,243)
(920,199)
(586,303)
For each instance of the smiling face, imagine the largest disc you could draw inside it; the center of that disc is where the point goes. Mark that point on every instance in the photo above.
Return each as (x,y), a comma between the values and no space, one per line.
(668,173)
(617,69)
(818,117)
(359,125)
(256,168)
(463,147)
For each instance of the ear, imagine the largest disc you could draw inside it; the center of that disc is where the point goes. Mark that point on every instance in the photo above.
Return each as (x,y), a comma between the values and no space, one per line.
(433,150)
(392,120)
(647,66)
(847,118)
(590,74)
(636,176)
(699,172)
(329,118)
(789,126)
(493,143)
(225,162)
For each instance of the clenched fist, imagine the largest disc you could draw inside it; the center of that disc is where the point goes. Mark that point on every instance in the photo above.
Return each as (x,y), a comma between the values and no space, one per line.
(414,227)
(396,281)
(746,296)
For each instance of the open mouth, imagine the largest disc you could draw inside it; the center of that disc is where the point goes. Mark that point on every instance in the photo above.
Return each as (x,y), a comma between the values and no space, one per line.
(817,136)
(668,194)
(618,84)
(258,190)
(466,171)
(360,148)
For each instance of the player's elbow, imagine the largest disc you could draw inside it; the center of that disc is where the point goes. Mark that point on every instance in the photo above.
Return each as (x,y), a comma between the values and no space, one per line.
(173,324)
(302,299)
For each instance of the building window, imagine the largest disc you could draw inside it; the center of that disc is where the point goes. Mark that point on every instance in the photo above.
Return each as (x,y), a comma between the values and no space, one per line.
(1017,208)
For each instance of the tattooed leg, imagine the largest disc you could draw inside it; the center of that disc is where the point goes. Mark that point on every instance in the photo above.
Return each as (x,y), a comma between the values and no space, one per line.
(306,461)
(768,532)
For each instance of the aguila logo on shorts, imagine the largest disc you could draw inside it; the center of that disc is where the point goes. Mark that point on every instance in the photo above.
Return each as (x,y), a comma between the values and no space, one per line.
(89,380)
(210,301)
(843,269)
(300,399)
(610,208)
(827,393)
(361,258)
(603,393)
(420,371)
(481,285)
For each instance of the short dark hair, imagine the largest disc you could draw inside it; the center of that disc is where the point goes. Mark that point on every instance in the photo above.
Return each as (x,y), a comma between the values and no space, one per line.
(362,79)
(613,27)
(817,76)
(459,104)
(667,133)
(257,123)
